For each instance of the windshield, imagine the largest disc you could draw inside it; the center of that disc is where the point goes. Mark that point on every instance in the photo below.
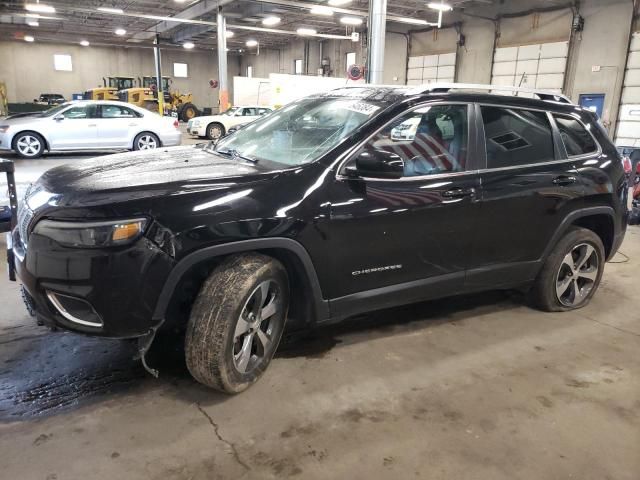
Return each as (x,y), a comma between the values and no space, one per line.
(230,111)
(300,132)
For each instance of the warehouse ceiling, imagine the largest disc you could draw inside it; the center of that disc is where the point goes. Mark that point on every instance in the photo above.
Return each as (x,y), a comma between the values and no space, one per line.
(96,21)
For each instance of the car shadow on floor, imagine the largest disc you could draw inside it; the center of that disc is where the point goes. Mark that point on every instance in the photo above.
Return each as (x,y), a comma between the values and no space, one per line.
(45,374)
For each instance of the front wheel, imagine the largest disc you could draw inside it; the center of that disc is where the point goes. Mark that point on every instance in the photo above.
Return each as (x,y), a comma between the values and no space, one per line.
(146,141)
(237,321)
(215,131)
(571,274)
(29,145)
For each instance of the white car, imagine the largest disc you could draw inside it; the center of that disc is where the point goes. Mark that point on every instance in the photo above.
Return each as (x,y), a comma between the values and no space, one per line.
(216,126)
(88,125)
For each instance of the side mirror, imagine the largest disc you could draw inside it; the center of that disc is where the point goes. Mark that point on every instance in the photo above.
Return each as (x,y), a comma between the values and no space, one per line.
(376,163)
(58,117)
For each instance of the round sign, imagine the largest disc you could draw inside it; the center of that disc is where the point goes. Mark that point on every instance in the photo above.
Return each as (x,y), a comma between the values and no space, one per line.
(355,72)
(213,83)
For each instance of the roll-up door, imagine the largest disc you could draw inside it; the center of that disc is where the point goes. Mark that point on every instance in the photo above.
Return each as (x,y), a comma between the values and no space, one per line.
(431,68)
(628,132)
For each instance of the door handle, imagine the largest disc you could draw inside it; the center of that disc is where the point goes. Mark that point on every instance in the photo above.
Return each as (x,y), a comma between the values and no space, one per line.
(564,180)
(459,193)
(92,125)
(133,124)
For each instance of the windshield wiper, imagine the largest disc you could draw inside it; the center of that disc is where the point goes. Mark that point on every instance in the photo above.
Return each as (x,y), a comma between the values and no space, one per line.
(235,154)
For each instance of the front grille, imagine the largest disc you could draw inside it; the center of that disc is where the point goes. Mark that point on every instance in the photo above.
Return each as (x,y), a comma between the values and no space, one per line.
(25,215)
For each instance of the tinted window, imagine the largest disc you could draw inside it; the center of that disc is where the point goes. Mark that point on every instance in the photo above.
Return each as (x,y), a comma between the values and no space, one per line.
(577,140)
(516,137)
(429,140)
(117,111)
(249,112)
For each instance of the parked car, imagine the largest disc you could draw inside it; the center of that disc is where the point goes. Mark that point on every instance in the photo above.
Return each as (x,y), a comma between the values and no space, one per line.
(316,214)
(217,126)
(50,99)
(88,125)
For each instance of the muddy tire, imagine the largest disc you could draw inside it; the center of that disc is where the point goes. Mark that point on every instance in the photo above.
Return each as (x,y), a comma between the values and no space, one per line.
(237,322)
(571,274)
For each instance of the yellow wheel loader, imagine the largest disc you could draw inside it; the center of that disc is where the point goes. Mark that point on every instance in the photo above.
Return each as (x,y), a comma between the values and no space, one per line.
(174,100)
(109,89)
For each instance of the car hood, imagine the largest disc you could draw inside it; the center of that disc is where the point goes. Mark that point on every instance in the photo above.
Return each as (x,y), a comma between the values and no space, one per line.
(22,118)
(128,176)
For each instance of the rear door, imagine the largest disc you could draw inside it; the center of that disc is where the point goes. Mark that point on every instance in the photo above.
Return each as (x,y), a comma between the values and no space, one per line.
(528,187)
(75,128)
(116,125)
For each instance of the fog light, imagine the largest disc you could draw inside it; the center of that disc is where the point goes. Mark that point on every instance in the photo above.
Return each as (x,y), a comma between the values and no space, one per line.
(75,310)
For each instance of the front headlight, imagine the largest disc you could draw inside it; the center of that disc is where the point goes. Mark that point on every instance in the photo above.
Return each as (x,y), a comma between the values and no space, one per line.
(92,234)
(196,123)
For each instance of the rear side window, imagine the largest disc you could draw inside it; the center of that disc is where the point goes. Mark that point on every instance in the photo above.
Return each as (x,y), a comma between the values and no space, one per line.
(577,140)
(516,137)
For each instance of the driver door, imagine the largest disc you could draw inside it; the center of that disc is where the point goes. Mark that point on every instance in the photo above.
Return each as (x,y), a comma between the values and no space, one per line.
(400,240)
(74,129)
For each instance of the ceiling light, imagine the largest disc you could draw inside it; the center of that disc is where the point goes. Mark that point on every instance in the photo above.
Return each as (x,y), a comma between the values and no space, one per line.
(111,10)
(39,7)
(443,7)
(33,23)
(272,20)
(188,45)
(28,38)
(306,31)
(120,31)
(251,43)
(338,3)
(414,21)
(321,10)
(351,20)
(228,34)
(84,43)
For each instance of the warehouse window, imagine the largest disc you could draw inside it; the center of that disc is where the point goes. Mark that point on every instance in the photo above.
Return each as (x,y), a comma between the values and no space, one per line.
(180,70)
(351,59)
(250,71)
(516,137)
(297,66)
(576,139)
(62,63)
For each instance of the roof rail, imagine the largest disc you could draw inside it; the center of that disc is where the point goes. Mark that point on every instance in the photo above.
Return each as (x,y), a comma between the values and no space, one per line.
(446,87)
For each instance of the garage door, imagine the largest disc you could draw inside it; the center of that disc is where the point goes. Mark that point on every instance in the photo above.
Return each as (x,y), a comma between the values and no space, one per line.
(431,68)
(541,65)
(628,134)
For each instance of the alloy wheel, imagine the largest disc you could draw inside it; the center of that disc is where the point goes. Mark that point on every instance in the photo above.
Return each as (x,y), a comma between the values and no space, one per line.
(28,145)
(215,132)
(147,142)
(256,325)
(577,275)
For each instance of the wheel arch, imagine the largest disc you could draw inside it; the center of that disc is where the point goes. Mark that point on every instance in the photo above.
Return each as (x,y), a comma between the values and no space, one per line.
(307,302)
(601,220)
(133,139)
(30,130)
(217,122)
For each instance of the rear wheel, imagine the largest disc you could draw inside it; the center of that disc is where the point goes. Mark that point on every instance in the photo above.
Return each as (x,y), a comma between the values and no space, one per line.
(187,111)
(146,141)
(29,145)
(215,131)
(236,322)
(572,273)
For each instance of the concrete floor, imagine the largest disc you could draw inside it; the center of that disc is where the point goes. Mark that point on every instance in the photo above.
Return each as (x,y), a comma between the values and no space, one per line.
(477,387)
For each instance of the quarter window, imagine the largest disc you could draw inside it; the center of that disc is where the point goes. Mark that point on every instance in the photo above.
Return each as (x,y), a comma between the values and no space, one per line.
(516,137)
(429,140)
(577,140)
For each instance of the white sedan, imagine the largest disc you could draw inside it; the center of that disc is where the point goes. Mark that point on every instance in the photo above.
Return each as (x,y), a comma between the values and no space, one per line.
(216,126)
(88,125)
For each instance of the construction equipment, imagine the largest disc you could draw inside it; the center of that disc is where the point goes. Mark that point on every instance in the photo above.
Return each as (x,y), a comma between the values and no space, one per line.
(140,96)
(182,104)
(110,88)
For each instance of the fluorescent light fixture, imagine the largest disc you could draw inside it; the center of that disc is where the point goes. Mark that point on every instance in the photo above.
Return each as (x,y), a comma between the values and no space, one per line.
(111,10)
(120,31)
(251,43)
(351,20)
(228,34)
(321,10)
(84,43)
(442,7)
(28,38)
(414,21)
(33,23)
(338,3)
(39,7)
(270,21)
(188,45)
(306,31)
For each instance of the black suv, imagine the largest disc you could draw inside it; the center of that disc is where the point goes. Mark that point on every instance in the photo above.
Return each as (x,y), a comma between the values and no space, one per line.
(359,199)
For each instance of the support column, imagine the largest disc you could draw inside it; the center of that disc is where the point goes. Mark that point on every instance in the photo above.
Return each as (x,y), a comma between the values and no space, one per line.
(223,95)
(376,32)
(158,60)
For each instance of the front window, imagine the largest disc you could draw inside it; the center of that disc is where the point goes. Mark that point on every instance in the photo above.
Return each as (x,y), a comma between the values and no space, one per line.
(300,132)
(230,111)
(55,110)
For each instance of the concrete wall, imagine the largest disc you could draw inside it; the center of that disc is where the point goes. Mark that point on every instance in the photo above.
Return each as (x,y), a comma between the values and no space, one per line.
(27,69)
